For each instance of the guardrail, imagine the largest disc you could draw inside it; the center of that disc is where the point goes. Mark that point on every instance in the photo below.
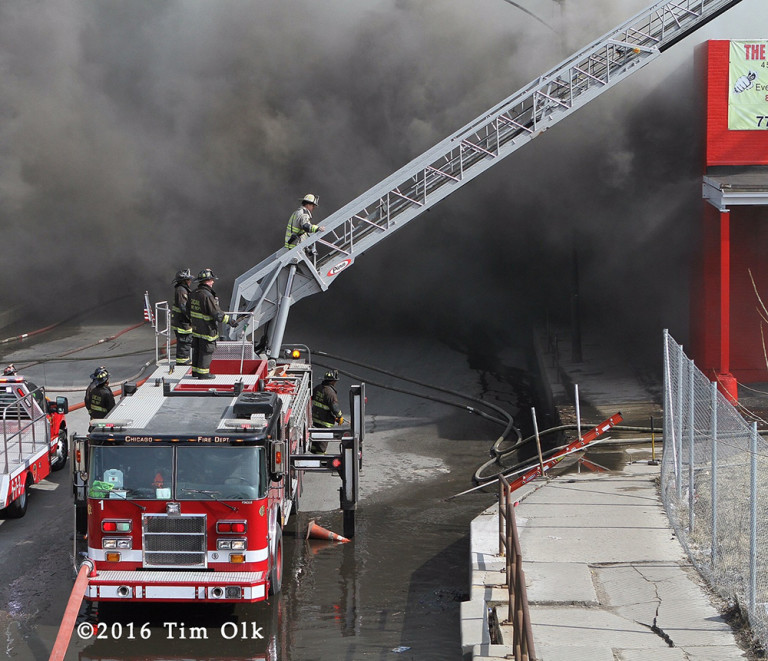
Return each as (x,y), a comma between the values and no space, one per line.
(518,614)
(33,414)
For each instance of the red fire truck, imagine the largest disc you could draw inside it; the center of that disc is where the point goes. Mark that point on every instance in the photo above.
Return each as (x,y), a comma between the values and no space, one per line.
(187,484)
(34,440)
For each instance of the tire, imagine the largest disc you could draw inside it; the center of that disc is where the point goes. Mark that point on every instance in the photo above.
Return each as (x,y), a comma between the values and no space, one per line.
(18,507)
(59,458)
(276,570)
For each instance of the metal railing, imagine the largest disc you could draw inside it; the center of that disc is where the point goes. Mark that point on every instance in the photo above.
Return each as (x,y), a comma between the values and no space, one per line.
(518,614)
(243,345)
(714,484)
(22,427)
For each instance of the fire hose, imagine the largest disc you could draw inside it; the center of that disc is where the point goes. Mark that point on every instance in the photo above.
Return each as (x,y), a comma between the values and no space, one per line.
(70,612)
(498,455)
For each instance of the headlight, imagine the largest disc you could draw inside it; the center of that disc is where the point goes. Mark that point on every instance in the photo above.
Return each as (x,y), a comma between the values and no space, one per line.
(116,543)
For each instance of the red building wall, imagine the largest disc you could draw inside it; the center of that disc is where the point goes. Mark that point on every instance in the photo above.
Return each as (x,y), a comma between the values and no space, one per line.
(744,357)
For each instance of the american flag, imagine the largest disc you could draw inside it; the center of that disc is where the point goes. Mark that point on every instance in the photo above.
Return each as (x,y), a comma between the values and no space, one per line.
(148,316)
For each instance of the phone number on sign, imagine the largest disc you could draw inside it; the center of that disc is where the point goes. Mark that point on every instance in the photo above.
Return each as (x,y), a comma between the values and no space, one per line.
(172,631)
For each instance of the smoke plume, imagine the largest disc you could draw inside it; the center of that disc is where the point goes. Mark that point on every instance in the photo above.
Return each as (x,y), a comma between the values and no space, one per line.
(138,137)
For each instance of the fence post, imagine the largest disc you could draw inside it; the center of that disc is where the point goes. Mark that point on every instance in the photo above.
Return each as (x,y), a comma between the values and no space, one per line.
(680,424)
(753,522)
(691,421)
(713,386)
(511,559)
(666,426)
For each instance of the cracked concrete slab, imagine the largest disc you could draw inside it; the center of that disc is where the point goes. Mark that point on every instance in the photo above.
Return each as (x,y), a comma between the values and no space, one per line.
(663,595)
(559,583)
(607,579)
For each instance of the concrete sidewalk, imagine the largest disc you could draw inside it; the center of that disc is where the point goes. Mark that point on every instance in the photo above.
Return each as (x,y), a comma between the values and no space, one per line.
(607,579)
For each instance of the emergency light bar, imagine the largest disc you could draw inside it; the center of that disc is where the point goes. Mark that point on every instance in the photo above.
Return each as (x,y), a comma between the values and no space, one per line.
(112,425)
(244,425)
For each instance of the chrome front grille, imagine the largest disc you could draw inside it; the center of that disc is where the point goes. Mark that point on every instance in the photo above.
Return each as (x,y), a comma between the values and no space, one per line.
(174,540)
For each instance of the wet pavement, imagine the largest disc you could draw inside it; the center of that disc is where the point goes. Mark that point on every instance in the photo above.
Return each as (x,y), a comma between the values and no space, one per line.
(393,592)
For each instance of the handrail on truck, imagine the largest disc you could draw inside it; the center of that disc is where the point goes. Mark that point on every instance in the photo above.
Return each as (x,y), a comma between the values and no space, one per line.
(30,406)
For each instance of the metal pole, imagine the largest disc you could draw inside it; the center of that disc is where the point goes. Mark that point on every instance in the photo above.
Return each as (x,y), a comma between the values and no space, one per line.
(538,440)
(511,578)
(501,517)
(276,338)
(691,433)
(713,544)
(753,522)
(668,431)
(578,410)
(680,424)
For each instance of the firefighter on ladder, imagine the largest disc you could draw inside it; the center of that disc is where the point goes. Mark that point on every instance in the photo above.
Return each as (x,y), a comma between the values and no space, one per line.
(205,315)
(180,323)
(299,224)
(325,408)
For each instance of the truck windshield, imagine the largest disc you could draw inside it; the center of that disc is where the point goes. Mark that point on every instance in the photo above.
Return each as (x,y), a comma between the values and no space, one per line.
(131,472)
(220,472)
(202,473)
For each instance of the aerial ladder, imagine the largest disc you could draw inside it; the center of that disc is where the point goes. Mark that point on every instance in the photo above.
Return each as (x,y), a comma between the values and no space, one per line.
(268,290)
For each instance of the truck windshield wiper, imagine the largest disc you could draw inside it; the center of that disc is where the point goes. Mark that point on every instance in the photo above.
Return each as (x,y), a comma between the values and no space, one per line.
(119,495)
(212,494)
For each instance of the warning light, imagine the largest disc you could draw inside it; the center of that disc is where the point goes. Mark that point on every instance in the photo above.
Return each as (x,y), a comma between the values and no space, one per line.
(336,463)
(278,457)
(231,527)
(116,526)
(295,353)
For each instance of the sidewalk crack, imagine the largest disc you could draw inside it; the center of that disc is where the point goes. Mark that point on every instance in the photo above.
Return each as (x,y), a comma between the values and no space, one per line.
(654,627)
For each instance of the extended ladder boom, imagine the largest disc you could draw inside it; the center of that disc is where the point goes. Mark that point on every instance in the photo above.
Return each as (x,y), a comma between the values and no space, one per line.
(271,287)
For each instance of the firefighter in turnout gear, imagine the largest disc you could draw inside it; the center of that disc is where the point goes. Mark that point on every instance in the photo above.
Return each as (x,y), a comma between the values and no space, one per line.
(325,407)
(205,315)
(299,224)
(180,323)
(99,399)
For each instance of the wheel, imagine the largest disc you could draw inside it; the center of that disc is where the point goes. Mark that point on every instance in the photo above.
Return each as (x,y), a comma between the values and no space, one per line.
(18,507)
(59,458)
(276,571)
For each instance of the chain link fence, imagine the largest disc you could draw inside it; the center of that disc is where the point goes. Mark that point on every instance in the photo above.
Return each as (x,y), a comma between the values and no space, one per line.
(714,485)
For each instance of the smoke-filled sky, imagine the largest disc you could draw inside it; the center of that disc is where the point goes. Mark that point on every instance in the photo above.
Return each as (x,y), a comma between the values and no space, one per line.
(142,136)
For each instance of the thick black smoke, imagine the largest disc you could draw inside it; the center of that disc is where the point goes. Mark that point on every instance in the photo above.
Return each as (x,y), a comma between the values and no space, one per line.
(138,137)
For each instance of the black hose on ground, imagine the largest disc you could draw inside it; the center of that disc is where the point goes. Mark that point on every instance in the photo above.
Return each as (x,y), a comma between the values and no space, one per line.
(510,424)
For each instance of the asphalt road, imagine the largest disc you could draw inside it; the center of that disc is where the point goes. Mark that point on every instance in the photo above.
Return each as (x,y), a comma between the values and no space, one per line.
(395,589)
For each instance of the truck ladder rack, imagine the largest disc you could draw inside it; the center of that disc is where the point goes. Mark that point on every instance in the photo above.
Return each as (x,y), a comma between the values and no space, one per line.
(271,287)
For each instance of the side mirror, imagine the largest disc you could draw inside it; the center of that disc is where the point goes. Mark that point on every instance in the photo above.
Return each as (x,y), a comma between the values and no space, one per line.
(277,460)
(62,405)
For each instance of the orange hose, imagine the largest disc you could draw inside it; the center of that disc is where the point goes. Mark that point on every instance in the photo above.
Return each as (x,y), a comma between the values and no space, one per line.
(117,393)
(70,613)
